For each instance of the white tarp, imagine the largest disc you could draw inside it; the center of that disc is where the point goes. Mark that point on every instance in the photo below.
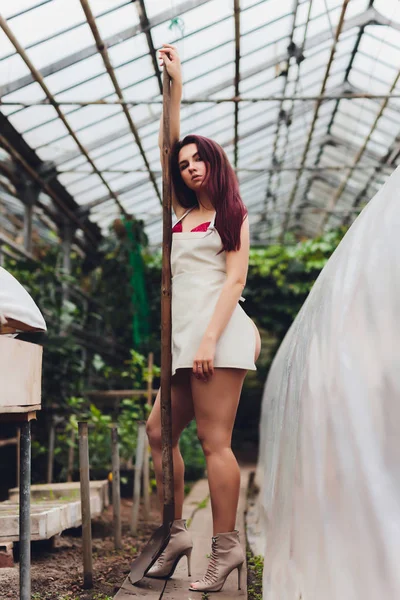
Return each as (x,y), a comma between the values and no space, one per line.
(16,303)
(329,464)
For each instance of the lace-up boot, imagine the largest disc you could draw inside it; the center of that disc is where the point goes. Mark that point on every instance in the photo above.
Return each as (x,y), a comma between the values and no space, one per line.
(226,555)
(180,544)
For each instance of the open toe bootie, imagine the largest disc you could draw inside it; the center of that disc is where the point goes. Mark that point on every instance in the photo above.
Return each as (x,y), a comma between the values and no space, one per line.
(179,545)
(226,555)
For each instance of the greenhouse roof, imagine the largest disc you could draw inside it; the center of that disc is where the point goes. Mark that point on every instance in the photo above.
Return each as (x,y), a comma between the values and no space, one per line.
(303,95)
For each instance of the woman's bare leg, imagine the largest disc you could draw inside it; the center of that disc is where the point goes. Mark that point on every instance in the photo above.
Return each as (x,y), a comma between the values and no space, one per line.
(182,414)
(215,406)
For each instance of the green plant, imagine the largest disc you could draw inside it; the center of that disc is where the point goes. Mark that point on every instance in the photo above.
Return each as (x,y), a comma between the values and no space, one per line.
(255,566)
(203,503)
(192,453)
(280,278)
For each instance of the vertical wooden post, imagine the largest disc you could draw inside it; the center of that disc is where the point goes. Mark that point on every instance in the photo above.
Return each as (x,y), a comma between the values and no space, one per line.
(116,489)
(138,475)
(50,456)
(71,452)
(166,325)
(85,506)
(146,464)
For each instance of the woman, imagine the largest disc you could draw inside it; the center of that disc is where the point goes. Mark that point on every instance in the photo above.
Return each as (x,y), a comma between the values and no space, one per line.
(214,342)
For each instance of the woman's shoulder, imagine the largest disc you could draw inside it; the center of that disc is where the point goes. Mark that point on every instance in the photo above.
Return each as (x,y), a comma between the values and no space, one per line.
(179,211)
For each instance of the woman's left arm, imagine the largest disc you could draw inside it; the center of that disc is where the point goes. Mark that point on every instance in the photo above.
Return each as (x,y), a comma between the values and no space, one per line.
(236,273)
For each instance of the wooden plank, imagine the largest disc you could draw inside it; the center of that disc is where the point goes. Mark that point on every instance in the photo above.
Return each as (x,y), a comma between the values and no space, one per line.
(202,529)
(20,375)
(65,491)
(230,589)
(153,589)
(47,518)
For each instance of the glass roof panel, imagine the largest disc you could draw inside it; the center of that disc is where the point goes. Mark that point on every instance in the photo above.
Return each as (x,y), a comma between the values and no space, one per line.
(40,18)
(205,37)
(111,24)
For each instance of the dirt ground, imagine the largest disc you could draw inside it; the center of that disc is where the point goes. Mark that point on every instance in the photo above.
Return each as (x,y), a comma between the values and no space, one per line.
(56,572)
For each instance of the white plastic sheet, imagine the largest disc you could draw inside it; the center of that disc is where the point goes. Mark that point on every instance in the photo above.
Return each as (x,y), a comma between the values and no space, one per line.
(329,463)
(16,303)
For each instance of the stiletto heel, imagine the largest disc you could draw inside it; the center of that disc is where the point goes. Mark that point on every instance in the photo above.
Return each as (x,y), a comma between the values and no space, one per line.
(239,575)
(180,544)
(226,556)
(189,557)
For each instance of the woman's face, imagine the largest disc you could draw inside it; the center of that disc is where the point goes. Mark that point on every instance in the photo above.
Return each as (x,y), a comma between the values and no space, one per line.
(192,168)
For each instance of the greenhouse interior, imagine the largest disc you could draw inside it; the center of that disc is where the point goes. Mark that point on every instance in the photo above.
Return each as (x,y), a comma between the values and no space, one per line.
(276,430)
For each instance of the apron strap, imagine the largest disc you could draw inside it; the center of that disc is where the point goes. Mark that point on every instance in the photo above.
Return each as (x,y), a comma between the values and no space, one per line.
(212,224)
(184,215)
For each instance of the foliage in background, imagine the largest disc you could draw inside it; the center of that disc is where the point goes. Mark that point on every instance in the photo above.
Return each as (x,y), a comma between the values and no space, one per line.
(281,277)
(80,354)
(279,280)
(64,358)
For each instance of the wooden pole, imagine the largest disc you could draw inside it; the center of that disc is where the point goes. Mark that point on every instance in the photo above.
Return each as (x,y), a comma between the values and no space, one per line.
(116,489)
(71,452)
(85,506)
(138,475)
(146,464)
(166,358)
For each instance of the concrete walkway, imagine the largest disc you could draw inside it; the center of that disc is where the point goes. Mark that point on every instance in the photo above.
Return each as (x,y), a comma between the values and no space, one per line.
(200,525)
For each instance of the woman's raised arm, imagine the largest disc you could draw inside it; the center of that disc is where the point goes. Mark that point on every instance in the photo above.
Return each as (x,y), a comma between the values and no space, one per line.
(169,56)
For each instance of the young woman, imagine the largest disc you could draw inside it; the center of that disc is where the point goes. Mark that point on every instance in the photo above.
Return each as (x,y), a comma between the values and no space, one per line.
(214,342)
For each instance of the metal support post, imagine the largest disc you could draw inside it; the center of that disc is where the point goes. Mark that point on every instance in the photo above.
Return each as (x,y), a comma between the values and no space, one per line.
(24,512)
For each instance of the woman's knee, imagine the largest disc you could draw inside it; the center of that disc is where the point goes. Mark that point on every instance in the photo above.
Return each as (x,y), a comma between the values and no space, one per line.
(213,444)
(153,434)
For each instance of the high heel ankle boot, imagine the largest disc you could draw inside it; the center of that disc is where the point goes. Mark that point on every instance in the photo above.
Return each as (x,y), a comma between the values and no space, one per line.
(180,544)
(226,555)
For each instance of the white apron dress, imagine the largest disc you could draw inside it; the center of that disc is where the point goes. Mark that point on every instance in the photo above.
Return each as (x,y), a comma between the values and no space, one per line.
(198,275)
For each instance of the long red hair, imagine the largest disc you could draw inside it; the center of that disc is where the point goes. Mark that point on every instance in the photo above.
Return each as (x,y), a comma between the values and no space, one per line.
(221,185)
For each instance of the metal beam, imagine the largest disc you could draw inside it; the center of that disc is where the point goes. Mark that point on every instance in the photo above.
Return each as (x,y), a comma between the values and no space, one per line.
(39,78)
(280,118)
(130,187)
(368,17)
(292,196)
(204,100)
(46,188)
(336,108)
(146,27)
(107,63)
(26,10)
(276,169)
(12,141)
(335,198)
(109,42)
(237,75)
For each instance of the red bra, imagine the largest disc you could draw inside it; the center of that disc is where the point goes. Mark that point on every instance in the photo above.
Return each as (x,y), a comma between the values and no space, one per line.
(177,228)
